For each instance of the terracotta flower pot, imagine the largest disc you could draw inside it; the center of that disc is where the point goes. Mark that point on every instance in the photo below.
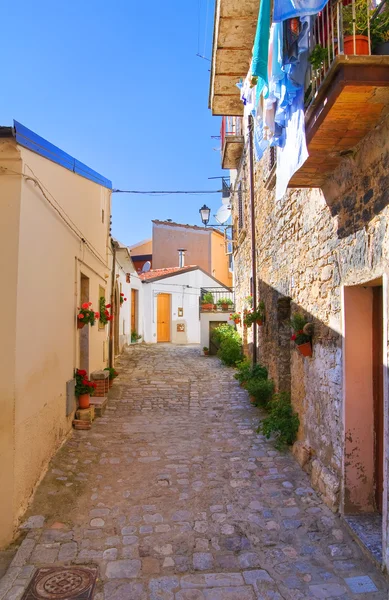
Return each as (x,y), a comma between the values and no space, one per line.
(80,325)
(259,322)
(84,401)
(206,352)
(305,349)
(361,45)
(207,306)
(237,321)
(225,306)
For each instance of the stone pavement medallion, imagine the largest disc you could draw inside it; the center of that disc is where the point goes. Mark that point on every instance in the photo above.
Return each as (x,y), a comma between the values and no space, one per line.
(61,583)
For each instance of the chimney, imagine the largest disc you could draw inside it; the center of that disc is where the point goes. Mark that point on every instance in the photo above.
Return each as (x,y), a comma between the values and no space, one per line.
(181,257)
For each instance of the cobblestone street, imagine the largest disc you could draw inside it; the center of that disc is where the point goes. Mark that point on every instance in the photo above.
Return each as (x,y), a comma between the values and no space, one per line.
(174,496)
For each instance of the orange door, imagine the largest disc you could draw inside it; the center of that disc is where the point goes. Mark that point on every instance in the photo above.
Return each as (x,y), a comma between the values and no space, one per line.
(163,318)
(134,305)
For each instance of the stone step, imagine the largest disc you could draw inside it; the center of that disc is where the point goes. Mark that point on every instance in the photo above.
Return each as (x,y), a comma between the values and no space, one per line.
(100,404)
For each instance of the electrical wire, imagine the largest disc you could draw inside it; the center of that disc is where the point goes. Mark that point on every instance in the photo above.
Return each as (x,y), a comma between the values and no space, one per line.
(166,193)
(206,27)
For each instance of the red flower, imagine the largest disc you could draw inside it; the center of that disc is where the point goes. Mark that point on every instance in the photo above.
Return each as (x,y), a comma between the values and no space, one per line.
(80,316)
(110,318)
(97,315)
(81,372)
(107,306)
(85,382)
(125,299)
(122,294)
(85,306)
(94,385)
(293,338)
(90,303)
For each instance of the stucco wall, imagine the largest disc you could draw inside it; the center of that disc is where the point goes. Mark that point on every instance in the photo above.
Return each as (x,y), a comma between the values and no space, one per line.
(185,292)
(48,263)
(167,239)
(220,268)
(309,245)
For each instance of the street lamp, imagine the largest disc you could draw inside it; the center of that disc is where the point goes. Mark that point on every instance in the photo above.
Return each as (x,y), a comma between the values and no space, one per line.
(205,213)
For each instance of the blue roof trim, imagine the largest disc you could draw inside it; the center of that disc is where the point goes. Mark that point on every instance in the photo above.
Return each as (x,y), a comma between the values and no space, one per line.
(27,138)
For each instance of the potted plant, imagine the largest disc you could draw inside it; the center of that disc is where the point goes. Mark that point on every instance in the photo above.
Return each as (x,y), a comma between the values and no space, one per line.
(379,29)
(135,337)
(84,388)
(302,340)
(122,299)
(236,317)
(318,57)
(104,316)
(112,375)
(255,315)
(86,315)
(224,303)
(207,302)
(248,301)
(206,351)
(361,28)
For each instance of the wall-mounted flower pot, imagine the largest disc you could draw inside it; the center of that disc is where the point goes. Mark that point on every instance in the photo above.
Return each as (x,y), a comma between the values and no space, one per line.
(259,322)
(225,307)
(305,349)
(80,325)
(237,321)
(84,401)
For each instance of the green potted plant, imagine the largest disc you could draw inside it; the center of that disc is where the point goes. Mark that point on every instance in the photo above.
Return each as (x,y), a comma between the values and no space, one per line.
(379,30)
(236,317)
(224,303)
(302,340)
(135,337)
(86,315)
(104,315)
(112,375)
(84,388)
(207,301)
(248,301)
(362,17)
(206,351)
(255,315)
(318,57)
(122,299)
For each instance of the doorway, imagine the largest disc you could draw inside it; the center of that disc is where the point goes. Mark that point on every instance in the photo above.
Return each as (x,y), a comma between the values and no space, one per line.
(134,310)
(84,333)
(364,412)
(163,318)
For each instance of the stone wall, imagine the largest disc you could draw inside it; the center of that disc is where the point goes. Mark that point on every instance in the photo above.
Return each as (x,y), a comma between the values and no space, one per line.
(308,246)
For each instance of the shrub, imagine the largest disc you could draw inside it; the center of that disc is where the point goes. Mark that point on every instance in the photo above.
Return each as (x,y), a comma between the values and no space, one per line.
(83,385)
(230,351)
(112,372)
(222,332)
(261,390)
(135,336)
(227,301)
(281,421)
(247,371)
(207,298)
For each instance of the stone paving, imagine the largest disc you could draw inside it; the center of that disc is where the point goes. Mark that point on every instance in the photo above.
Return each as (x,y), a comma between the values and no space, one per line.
(174,496)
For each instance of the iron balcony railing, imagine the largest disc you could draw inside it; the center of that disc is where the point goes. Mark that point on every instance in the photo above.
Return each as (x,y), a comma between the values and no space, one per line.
(230,126)
(216,299)
(343,27)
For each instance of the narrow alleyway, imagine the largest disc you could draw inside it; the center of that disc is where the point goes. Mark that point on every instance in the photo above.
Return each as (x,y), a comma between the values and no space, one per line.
(174,496)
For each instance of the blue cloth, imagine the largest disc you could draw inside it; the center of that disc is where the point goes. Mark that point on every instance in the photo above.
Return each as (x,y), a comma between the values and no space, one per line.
(286,9)
(261,46)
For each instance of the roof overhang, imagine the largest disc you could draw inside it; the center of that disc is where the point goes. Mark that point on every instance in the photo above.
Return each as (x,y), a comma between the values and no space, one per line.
(233,38)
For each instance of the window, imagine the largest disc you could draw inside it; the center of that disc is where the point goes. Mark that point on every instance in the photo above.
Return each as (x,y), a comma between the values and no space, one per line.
(240,207)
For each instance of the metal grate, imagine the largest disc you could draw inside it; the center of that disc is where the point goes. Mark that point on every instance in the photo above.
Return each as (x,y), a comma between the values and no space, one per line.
(61,583)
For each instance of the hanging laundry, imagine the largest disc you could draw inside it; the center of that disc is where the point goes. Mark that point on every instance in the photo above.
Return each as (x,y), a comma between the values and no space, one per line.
(294,153)
(287,9)
(261,46)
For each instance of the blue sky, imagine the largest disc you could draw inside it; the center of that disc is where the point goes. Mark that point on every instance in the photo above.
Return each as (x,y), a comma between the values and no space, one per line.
(118,85)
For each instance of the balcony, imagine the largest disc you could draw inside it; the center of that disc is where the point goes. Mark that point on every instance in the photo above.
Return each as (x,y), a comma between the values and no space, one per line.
(232,142)
(233,37)
(214,299)
(347,87)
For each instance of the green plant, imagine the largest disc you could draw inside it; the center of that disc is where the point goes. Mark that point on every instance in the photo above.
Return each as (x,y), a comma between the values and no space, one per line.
(236,316)
(261,390)
(205,349)
(230,351)
(298,322)
(254,315)
(83,385)
(222,332)
(122,299)
(379,25)
(362,17)
(207,298)
(112,372)
(227,301)
(282,421)
(135,336)
(246,371)
(86,314)
(249,301)
(318,56)
(104,317)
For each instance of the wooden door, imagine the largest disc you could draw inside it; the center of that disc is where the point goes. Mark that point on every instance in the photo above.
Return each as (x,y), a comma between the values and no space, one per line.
(163,318)
(378,394)
(134,310)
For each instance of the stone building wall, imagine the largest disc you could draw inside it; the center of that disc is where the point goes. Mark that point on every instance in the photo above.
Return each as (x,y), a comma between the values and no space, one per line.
(308,246)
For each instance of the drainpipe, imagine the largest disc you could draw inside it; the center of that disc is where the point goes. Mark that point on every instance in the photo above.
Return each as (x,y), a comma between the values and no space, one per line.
(112,323)
(252,215)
